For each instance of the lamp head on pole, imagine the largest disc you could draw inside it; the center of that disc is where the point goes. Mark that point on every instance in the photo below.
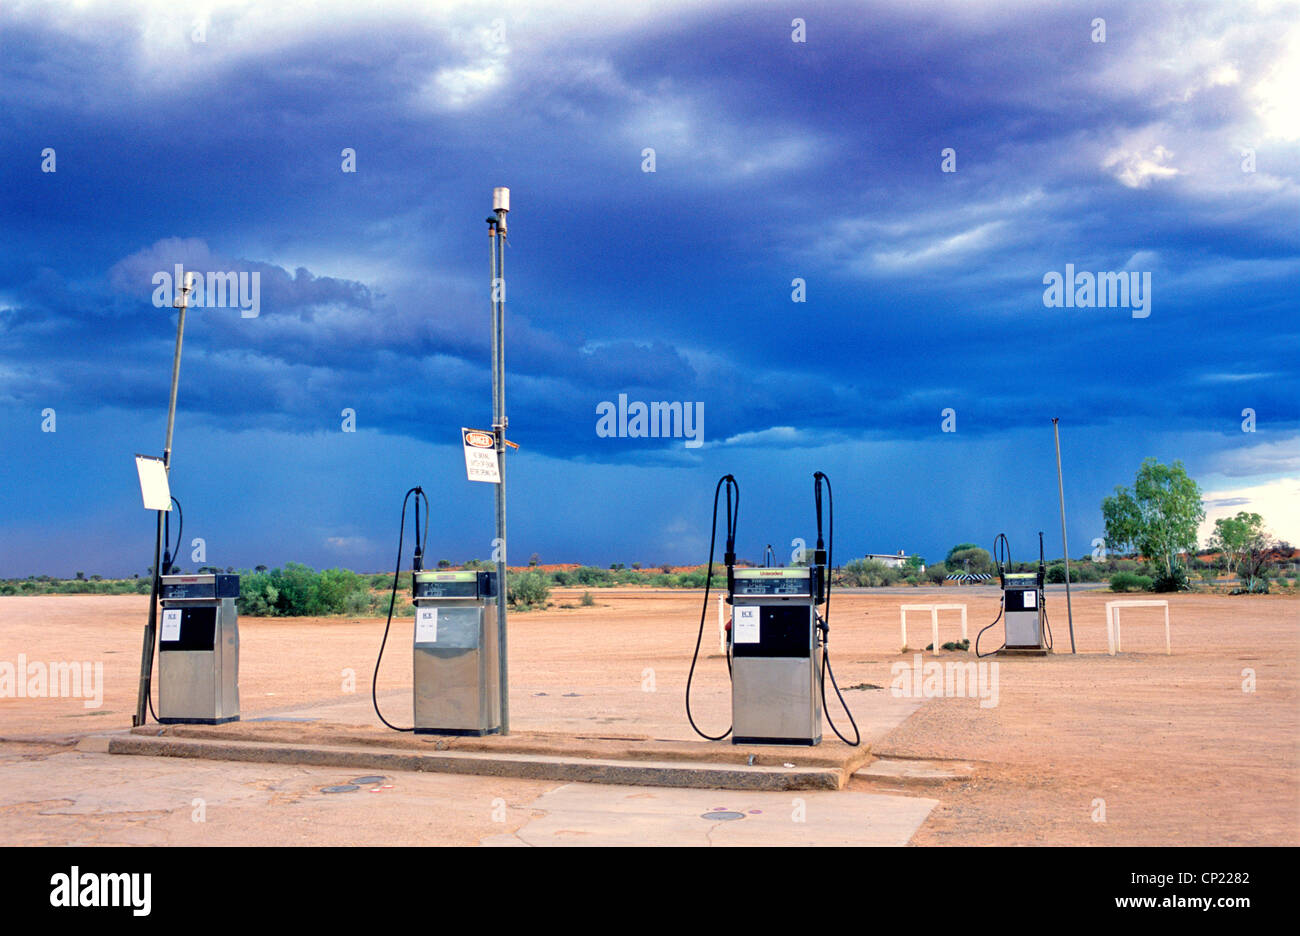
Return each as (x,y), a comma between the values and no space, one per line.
(187,286)
(501,205)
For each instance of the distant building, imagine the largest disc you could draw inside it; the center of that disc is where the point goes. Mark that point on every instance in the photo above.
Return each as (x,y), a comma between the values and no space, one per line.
(891,560)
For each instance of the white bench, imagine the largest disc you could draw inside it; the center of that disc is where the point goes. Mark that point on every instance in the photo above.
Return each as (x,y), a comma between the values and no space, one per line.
(934,610)
(1112,621)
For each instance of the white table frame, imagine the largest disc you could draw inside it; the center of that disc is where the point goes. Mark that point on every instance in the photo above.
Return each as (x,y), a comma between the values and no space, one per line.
(1113,639)
(934,610)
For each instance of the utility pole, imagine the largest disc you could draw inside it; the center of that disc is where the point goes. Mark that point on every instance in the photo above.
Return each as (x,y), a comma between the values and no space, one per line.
(150,628)
(1065,543)
(497,239)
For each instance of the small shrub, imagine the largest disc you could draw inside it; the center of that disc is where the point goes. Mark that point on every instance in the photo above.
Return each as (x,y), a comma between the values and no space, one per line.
(868,573)
(587,600)
(591,576)
(1129,581)
(357,603)
(1164,582)
(527,590)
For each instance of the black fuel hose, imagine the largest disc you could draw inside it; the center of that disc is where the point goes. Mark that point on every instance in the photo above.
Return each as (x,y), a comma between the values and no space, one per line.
(165,569)
(1003,559)
(170,555)
(818,479)
(733,516)
(392,599)
(1001,607)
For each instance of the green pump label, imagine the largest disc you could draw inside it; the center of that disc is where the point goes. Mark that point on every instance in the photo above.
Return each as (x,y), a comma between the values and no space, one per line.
(469,576)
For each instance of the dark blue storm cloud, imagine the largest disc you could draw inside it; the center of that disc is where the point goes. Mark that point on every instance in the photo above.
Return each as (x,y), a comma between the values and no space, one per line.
(216,137)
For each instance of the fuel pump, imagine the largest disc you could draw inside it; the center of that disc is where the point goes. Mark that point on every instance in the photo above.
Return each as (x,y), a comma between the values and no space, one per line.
(1024,604)
(776,640)
(455,686)
(198,649)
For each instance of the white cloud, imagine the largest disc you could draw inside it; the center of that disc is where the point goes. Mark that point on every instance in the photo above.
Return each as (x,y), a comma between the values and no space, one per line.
(944,250)
(1277,102)
(1278,502)
(1136,168)
(693,134)
(455,89)
(1262,458)
(776,435)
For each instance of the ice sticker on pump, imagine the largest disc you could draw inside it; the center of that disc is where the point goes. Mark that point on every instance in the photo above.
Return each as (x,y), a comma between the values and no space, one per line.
(1031,599)
(426,625)
(171,625)
(746,623)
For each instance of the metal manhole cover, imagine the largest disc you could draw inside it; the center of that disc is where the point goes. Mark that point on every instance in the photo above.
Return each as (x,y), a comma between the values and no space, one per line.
(725,815)
(341,788)
(362,781)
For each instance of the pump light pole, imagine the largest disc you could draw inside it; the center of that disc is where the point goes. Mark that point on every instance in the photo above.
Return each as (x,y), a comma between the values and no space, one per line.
(1065,543)
(151,627)
(497,239)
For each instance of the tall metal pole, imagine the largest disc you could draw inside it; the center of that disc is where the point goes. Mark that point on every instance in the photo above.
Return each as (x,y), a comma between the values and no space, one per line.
(497,235)
(1065,543)
(151,627)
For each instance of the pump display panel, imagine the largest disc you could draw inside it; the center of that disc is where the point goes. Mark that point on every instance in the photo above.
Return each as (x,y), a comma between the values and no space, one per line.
(773,582)
(454,585)
(200,586)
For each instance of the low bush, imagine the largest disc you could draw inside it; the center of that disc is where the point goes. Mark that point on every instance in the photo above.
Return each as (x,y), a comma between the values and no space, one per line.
(1129,581)
(1167,582)
(527,590)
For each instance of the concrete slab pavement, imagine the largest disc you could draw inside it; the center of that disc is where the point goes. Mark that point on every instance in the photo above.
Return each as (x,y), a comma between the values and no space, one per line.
(578,814)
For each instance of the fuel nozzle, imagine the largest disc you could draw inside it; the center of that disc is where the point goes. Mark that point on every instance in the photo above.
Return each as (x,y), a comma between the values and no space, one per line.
(1002,556)
(733,515)
(820,556)
(417,564)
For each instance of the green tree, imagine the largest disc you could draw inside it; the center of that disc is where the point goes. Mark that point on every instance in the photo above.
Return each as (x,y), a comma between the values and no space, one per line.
(1234,536)
(969,558)
(958,548)
(1158,517)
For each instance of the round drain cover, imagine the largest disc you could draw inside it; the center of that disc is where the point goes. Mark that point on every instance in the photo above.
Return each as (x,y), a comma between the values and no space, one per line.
(362,781)
(341,788)
(723,814)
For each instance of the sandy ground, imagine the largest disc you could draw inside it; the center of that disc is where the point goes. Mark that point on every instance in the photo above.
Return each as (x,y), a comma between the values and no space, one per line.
(1142,748)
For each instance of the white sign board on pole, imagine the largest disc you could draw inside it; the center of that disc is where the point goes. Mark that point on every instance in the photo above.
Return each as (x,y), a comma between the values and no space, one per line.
(154,489)
(480,455)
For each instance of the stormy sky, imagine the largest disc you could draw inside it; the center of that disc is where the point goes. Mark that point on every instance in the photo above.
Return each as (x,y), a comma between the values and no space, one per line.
(798,152)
